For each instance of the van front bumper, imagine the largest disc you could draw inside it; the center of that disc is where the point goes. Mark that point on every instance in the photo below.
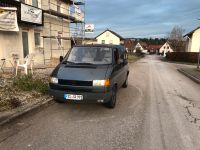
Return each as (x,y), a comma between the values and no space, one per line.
(88,97)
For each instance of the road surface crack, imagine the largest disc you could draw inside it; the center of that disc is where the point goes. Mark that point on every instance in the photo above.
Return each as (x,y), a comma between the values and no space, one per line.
(192,110)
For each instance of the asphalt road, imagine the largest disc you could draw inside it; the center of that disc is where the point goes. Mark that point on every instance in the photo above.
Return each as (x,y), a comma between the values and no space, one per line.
(158,111)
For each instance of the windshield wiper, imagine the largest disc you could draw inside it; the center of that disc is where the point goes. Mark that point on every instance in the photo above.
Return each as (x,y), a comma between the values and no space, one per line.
(84,64)
(70,62)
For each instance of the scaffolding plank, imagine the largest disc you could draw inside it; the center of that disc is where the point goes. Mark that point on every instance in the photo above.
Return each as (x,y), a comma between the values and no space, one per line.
(55,37)
(65,16)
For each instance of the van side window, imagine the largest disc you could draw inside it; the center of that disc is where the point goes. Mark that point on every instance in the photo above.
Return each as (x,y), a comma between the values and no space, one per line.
(121,59)
(122,55)
(125,55)
(116,56)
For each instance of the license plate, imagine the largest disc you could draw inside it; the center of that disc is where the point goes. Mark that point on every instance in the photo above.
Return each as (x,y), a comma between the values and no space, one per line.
(73,97)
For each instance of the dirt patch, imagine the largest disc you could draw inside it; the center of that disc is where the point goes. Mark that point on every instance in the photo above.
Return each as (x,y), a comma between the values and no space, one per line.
(15,93)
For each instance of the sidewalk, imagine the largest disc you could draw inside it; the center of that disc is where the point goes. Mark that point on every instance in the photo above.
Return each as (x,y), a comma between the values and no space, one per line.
(191,73)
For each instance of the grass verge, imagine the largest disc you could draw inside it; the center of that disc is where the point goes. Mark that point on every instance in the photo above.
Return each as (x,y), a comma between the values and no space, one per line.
(21,90)
(28,83)
(196,69)
(133,58)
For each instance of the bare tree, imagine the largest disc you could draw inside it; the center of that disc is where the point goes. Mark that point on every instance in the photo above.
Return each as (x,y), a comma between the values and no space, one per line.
(176,40)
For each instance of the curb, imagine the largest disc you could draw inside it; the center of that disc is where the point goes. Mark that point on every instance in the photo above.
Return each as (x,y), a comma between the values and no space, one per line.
(189,76)
(15,114)
(178,62)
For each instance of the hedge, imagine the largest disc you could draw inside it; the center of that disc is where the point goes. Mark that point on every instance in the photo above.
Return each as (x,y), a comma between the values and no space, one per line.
(191,57)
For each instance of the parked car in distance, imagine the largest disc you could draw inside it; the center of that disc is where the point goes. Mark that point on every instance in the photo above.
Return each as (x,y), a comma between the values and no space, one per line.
(90,73)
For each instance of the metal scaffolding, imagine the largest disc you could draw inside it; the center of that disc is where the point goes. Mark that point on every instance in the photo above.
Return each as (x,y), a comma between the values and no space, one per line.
(61,27)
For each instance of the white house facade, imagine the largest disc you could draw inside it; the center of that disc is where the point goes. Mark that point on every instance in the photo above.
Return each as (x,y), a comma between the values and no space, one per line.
(42,28)
(193,40)
(109,37)
(166,48)
(139,46)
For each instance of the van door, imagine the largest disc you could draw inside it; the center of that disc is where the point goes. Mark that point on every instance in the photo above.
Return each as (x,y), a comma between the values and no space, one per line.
(123,70)
(117,70)
(124,64)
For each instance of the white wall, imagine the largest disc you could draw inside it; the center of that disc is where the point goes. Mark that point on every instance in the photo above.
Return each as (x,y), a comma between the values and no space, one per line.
(10,42)
(195,45)
(166,48)
(139,46)
(108,37)
(188,44)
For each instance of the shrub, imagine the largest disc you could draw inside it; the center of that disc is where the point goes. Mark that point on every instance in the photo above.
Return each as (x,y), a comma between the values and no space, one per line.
(28,83)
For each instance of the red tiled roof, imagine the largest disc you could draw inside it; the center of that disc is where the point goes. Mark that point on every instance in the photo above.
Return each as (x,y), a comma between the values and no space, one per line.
(154,47)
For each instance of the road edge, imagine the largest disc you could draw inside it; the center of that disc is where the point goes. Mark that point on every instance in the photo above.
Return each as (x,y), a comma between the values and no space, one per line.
(189,76)
(15,114)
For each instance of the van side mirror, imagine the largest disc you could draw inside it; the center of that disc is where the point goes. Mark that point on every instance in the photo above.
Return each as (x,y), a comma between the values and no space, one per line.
(61,58)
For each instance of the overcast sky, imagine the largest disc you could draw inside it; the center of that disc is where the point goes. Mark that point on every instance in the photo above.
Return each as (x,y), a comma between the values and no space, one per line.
(139,18)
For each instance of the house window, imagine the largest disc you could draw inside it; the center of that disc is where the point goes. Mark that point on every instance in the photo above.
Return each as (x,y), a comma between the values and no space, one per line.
(37,38)
(103,41)
(164,47)
(167,47)
(35,3)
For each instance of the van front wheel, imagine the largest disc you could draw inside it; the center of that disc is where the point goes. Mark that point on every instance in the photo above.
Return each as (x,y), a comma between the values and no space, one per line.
(112,102)
(57,100)
(125,84)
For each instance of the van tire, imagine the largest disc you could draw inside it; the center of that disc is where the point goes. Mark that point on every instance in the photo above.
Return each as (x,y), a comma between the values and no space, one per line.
(112,102)
(125,84)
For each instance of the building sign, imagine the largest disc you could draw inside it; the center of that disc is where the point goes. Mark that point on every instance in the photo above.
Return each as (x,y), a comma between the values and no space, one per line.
(78,14)
(8,19)
(31,14)
(89,28)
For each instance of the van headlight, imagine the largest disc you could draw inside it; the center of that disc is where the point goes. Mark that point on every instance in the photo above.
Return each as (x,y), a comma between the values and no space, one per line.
(101,82)
(54,80)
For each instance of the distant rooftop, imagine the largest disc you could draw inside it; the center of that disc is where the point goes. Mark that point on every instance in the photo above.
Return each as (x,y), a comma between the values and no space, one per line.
(121,38)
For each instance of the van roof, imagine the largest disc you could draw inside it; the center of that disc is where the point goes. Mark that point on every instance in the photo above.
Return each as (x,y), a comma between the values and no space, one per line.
(101,45)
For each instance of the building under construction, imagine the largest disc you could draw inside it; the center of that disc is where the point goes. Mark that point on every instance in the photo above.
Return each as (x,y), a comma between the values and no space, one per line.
(46,28)
(63,23)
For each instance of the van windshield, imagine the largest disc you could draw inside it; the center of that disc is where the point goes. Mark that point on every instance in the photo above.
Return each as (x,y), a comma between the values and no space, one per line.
(90,55)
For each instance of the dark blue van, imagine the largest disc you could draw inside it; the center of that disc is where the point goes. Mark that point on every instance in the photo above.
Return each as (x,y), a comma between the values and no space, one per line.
(90,73)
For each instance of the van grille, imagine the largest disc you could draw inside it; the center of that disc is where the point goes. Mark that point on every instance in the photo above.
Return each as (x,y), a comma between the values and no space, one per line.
(68,89)
(74,83)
